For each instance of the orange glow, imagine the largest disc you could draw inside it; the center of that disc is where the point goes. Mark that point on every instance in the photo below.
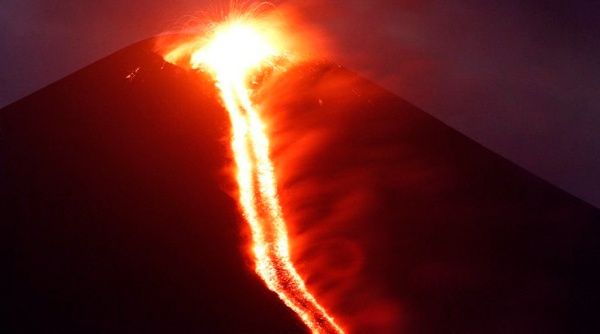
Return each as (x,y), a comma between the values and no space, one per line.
(234,53)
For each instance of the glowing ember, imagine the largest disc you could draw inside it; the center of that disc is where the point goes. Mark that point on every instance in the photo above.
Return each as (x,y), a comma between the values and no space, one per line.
(234,52)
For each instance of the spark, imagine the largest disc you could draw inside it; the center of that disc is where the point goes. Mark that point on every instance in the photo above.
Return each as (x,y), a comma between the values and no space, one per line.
(233,53)
(133,74)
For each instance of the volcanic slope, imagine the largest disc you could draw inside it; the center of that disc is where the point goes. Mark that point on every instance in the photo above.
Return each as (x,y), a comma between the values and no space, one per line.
(120,212)
(119,221)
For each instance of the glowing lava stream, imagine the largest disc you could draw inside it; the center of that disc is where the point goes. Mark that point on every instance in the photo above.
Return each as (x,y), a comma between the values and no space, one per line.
(235,51)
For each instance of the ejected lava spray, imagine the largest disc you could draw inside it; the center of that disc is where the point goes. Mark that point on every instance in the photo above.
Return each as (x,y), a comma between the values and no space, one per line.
(234,52)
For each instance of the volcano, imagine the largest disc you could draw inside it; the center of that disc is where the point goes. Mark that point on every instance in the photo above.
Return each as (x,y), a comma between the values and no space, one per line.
(119,214)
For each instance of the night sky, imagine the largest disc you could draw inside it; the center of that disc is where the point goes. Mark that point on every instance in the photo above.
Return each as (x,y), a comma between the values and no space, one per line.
(520,77)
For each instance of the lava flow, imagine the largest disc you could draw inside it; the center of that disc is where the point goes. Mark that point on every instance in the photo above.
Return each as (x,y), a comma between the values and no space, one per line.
(234,53)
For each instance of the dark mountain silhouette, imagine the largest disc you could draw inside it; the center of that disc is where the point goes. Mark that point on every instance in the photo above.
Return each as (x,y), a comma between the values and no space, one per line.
(119,215)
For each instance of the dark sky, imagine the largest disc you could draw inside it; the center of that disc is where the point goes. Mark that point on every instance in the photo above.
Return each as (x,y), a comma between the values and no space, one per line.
(521,77)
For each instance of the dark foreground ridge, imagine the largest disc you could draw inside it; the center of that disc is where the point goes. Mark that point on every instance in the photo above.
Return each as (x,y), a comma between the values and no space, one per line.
(119,217)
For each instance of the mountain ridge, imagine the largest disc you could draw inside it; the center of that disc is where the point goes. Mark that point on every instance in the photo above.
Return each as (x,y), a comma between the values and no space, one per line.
(119,204)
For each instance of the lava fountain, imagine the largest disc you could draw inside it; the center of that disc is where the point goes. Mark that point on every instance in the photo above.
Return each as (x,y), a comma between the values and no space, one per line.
(235,52)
